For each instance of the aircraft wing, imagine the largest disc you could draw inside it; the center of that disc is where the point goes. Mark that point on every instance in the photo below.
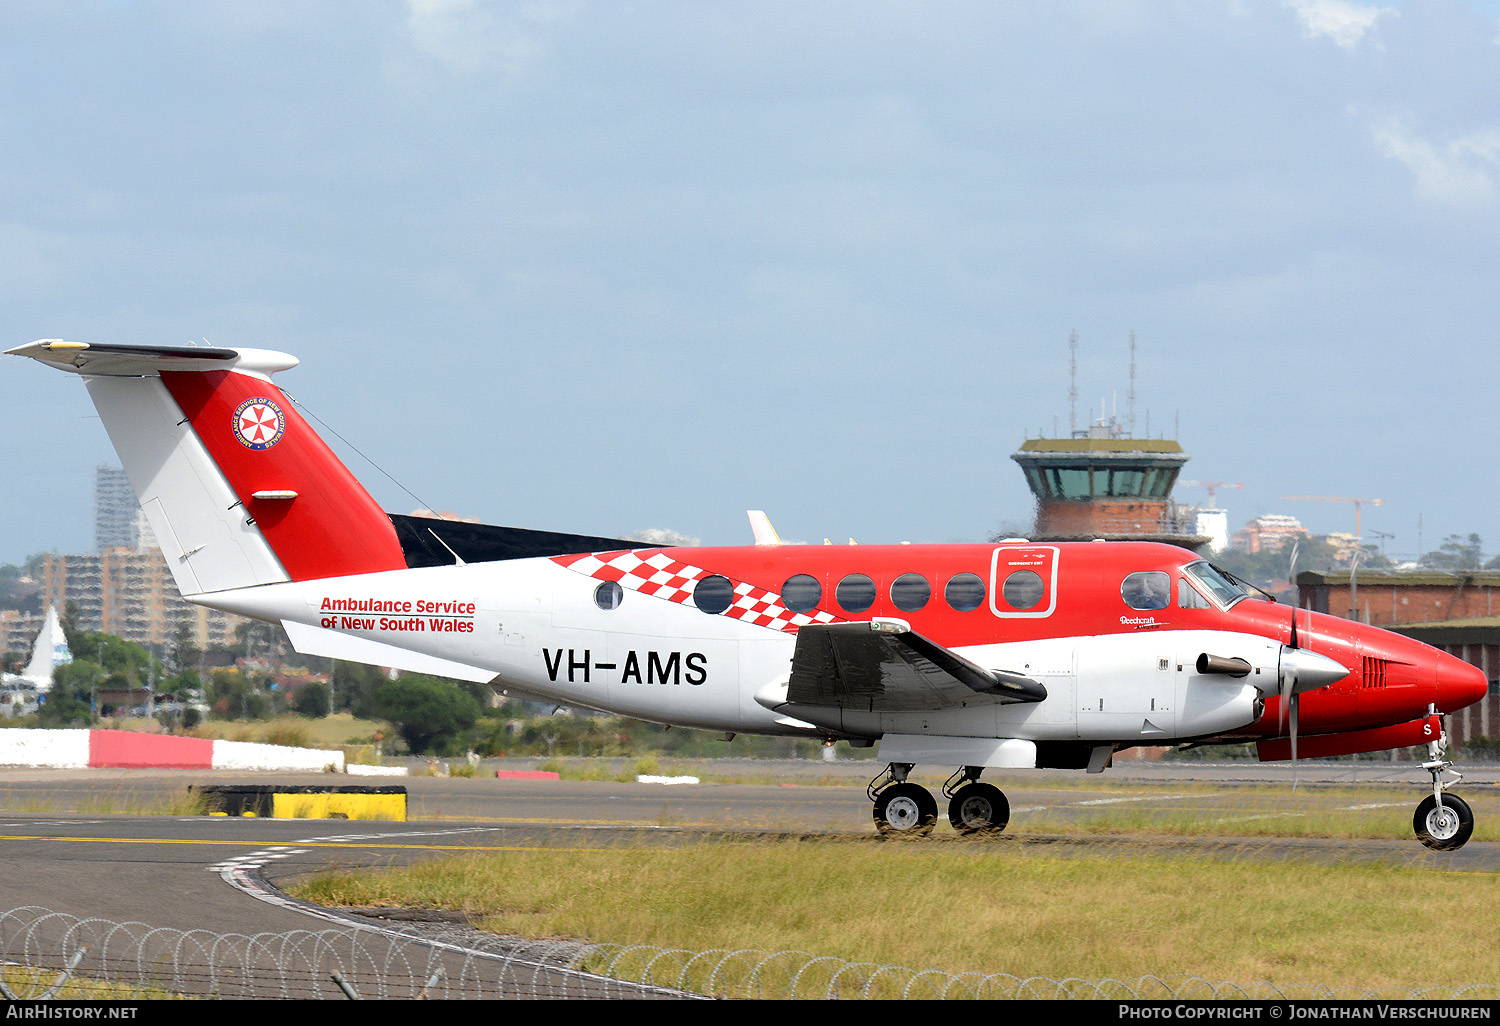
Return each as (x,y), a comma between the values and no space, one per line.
(883,669)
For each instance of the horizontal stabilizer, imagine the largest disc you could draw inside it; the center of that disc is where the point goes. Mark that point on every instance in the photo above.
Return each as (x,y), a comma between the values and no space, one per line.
(115,360)
(871,667)
(320,641)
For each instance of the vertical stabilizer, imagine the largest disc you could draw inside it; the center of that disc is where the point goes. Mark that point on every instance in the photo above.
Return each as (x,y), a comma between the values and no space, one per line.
(238,488)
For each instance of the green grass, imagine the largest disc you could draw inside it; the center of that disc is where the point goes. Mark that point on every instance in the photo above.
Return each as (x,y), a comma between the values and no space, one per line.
(332,731)
(29,983)
(1005,907)
(180,803)
(1256,811)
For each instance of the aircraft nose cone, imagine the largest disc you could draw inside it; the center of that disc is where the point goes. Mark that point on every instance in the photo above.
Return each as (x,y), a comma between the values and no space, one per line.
(1459,684)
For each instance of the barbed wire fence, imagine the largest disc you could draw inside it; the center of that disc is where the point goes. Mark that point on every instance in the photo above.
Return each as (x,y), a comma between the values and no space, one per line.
(47,955)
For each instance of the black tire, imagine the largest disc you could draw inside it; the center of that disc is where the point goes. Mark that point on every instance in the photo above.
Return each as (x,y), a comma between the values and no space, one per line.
(979,809)
(905,810)
(1446,829)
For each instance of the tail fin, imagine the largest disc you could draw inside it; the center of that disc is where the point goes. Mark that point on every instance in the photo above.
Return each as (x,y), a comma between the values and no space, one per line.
(238,489)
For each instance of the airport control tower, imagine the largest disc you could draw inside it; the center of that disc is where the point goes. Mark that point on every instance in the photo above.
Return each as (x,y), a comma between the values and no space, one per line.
(1101,483)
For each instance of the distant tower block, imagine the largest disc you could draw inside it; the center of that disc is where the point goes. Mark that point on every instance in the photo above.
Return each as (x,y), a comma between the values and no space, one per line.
(1103,484)
(116,511)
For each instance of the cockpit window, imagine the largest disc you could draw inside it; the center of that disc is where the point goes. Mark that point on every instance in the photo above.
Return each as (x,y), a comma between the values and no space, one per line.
(1188,597)
(1224,591)
(1147,589)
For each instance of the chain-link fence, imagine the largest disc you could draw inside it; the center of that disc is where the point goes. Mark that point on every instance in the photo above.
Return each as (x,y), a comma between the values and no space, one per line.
(49,955)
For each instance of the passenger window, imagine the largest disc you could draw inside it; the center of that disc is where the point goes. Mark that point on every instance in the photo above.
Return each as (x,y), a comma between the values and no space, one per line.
(910,592)
(609,595)
(1188,596)
(965,592)
(1147,589)
(1023,589)
(801,593)
(713,594)
(855,593)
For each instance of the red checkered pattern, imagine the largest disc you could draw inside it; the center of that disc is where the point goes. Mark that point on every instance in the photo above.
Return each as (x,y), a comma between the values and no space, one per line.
(653,572)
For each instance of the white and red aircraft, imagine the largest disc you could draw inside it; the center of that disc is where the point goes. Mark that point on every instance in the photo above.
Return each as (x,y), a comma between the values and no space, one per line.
(1007,655)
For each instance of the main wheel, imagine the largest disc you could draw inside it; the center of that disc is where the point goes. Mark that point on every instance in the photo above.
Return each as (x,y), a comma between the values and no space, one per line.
(1446,828)
(977,808)
(905,810)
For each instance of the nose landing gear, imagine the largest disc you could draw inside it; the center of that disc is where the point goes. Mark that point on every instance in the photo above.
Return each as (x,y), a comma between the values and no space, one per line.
(1442,821)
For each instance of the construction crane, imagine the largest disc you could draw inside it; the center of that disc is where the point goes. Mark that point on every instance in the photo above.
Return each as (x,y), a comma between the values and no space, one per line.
(1358,505)
(1212,486)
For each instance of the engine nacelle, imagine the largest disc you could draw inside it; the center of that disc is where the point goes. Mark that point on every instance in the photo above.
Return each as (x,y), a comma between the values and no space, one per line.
(1213,705)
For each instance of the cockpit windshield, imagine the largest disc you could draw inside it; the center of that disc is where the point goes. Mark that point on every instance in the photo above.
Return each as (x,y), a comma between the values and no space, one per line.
(1224,591)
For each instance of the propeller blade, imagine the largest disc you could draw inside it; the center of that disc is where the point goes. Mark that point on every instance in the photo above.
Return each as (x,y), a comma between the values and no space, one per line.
(1291,578)
(1286,693)
(1296,701)
(1302,670)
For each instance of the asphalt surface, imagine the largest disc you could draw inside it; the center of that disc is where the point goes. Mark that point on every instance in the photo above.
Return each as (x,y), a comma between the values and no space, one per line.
(75,841)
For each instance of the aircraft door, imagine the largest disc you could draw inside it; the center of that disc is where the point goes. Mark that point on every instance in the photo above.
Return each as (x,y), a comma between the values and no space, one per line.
(1023,581)
(515,622)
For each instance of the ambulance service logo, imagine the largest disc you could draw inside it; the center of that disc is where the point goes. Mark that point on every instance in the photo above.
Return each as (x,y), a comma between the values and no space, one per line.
(259,423)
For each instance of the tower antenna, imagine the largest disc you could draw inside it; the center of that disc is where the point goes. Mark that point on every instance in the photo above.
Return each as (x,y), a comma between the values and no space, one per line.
(1130,399)
(1073,384)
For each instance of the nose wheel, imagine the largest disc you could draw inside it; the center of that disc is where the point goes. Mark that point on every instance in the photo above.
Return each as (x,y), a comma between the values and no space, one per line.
(1443,827)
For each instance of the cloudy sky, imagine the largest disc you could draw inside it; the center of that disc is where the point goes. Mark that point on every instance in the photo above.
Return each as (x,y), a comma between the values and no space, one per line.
(609,266)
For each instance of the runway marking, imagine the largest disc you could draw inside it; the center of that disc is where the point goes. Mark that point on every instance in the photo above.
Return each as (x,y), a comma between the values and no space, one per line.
(1144,798)
(403,833)
(256,859)
(1379,805)
(306,844)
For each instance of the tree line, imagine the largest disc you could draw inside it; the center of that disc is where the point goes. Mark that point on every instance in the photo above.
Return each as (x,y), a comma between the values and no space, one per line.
(1456,554)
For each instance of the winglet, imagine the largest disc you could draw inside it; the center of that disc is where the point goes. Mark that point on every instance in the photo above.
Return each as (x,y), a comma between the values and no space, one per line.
(760,526)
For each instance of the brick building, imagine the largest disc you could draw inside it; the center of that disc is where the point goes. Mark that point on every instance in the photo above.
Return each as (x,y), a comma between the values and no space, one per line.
(1388,597)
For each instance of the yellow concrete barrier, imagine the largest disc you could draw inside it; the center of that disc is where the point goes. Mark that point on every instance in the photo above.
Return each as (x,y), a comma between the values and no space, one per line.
(305,801)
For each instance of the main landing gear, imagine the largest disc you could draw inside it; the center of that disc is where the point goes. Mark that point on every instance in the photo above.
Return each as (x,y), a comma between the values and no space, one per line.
(904,809)
(1443,821)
